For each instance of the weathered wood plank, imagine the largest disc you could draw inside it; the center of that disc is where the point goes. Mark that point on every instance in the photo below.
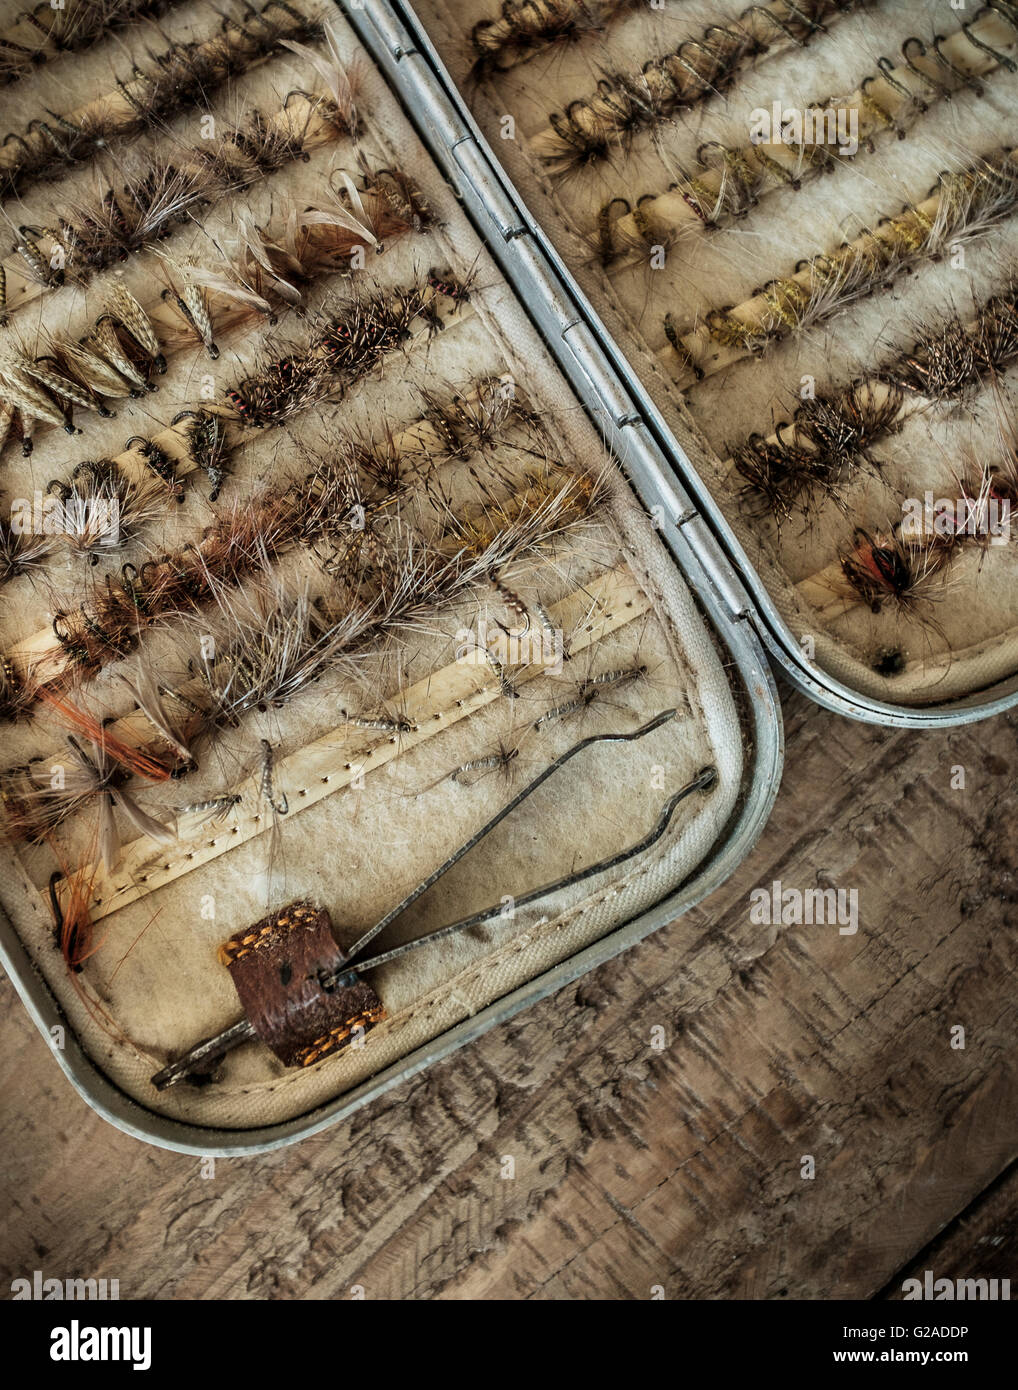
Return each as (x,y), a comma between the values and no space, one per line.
(981,1241)
(634,1167)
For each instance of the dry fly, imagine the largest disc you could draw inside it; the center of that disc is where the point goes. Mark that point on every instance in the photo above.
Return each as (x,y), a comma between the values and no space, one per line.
(739,173)
(264,145)
(106,343)
(73,919)
(108,228)
(269,270)
(18,691)
(277,805)
(809,457)
(267,647)
(343,347)
(340,81)
(99,231)
(145,761)
(207,445)
(191,302)
(144,689)
(99,376)
(100,511)
(22,392)
(22,551)
(499,761)
(468,424)
(48,148)
(47,387)
(397,726)
(38,800)
(886,568)
(105,627)
(947,361)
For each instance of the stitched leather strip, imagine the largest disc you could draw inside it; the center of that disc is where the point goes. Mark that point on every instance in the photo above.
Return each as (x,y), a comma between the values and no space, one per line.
(277,967)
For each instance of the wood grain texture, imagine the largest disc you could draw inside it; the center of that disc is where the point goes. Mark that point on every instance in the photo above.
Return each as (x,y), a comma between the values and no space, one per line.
(984,1236)
(636,1168)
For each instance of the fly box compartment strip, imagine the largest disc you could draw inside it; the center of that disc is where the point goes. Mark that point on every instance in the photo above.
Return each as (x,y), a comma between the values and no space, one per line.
(819,433)
(354,701)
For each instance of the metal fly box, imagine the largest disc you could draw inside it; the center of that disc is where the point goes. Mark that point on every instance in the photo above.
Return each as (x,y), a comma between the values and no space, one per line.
(416,704)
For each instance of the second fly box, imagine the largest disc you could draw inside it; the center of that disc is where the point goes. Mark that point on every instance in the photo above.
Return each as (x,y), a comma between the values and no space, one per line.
(792,229)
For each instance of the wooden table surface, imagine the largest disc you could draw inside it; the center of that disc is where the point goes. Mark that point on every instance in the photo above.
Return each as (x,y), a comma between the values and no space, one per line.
(567,1156)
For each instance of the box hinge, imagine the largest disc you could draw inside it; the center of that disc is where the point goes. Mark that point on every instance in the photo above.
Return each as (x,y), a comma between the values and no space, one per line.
(611,396)
(395,49)
(716,565)
(486,189)
(395,38)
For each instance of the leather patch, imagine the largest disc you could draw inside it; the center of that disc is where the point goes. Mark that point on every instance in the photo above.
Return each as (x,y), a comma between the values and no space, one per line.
(277,967)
